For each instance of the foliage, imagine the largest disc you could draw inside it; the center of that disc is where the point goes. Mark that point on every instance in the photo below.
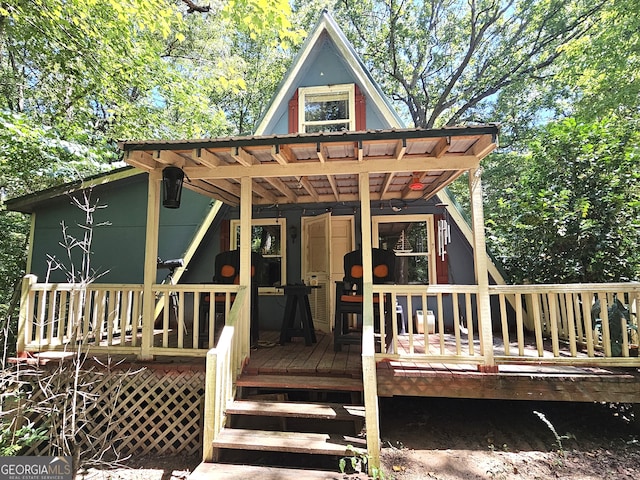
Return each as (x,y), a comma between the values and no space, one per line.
(617,312)
(449,62)
(601,70)
(358,462)
(572,210)
(33,157)
(13,439)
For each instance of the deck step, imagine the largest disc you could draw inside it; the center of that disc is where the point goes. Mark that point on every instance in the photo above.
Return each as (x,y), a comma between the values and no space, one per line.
(301,382)
(320,411)
(293,442)
(210,471)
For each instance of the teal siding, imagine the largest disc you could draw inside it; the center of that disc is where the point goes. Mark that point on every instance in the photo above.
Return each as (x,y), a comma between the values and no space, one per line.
(117,247)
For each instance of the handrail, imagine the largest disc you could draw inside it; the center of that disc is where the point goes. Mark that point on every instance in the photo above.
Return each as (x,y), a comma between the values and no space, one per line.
(223,365)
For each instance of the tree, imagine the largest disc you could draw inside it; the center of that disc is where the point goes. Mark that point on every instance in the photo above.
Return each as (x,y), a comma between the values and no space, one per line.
(569,210)
(99,71)
(449,61)
(601,70)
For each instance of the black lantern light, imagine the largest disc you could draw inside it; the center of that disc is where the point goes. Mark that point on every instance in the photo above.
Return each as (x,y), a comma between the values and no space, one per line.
(172,179)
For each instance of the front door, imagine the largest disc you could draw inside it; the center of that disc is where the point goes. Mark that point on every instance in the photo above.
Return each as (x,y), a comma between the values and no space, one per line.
(325,241)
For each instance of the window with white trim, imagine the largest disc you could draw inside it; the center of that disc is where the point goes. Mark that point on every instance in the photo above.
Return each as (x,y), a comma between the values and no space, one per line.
(329,108)
(268,238)
(411,237)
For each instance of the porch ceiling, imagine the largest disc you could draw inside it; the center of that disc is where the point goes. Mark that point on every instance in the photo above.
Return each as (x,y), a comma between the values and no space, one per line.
(320,167)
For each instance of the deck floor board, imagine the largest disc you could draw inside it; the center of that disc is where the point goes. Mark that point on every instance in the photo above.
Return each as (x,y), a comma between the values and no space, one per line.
(415,377)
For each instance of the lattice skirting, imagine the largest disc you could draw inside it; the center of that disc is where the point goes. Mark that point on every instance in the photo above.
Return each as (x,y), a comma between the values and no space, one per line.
(145,411)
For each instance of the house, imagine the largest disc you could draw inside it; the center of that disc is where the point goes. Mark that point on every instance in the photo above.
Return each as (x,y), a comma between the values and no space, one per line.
(329,170)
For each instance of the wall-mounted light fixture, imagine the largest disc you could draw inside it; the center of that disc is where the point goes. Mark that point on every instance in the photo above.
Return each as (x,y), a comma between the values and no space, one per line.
(172,180)
(293,233)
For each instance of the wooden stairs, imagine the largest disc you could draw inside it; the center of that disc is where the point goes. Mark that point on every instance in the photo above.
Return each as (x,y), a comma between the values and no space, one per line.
(293,421)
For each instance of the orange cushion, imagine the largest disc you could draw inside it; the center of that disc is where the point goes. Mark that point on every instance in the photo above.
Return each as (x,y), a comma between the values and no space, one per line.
(357,298)
(222,297)
(356,271)
(227,271)
(380,271)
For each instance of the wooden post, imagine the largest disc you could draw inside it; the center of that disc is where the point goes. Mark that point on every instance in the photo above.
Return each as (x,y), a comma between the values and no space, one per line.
(209,420)
(25,313)
(481,271)
(369,375)
(245,263)
(150,264)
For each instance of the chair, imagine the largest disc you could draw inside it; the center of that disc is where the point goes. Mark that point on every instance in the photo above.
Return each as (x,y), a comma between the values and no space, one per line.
(227,272)
(349,298)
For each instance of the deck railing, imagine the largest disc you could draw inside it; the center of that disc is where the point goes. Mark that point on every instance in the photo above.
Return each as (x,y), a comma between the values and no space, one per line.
(578,324)
(581,324)
(108,317)
(444,340)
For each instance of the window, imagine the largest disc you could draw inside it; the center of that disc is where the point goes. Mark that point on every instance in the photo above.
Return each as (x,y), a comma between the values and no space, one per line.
(268,238)
(327,108)
(411,237)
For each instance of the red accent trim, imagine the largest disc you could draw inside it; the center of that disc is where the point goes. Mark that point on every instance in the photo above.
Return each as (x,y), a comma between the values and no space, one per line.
(293,113)
(225,235)
(361,110)
(442,266)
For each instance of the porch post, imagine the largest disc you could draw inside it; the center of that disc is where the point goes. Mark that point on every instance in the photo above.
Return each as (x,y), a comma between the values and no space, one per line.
(245,259)
(369,377)
(481,268)
(150,264)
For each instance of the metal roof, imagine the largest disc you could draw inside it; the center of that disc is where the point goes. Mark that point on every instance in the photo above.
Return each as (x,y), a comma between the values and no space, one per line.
(320,167)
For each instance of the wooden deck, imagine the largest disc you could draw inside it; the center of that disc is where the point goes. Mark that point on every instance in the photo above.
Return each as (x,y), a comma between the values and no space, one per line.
(396,378)
(296,358)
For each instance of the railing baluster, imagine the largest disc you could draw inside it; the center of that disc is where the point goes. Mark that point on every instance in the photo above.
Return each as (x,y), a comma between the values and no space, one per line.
(553,320)
(412,334)
(519,324)
(605,301)
(456,322)
(587,302)
(425,323)
(503,322)
(571,327)
(537,323)
(440,322)
(467,303)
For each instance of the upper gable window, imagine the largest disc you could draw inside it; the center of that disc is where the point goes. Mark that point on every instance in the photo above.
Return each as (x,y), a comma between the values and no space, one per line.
(327,108)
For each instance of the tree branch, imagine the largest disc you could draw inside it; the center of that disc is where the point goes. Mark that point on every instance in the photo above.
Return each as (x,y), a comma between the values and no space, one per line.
(195,8)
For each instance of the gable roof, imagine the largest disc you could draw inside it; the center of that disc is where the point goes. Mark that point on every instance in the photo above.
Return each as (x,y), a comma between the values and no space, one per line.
(326,29)
(30,202)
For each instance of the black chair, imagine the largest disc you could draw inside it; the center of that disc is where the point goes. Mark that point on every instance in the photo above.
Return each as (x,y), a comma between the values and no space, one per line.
(349,298)
(227,272)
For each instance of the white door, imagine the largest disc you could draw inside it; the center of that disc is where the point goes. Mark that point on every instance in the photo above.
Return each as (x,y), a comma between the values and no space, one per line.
(325,240)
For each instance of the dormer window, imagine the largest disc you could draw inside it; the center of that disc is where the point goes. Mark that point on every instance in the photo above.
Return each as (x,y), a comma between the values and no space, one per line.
(327,108)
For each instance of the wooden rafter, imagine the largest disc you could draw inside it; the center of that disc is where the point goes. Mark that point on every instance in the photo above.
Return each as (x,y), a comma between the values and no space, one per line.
(169,157)
(441,147)
(281,187)
(243,157)
(278,155)
(142,160)
(306,184)
(334,187)
(206,158)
